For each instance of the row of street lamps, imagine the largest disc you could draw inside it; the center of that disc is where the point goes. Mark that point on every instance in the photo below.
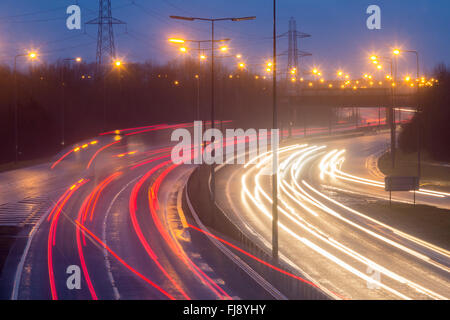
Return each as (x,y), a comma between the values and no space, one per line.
(393,62)
(213,41)
(32,56)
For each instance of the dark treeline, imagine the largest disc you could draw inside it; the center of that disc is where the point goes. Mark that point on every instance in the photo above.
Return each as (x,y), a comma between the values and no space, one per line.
(136,94)
(431,126)
(132,95)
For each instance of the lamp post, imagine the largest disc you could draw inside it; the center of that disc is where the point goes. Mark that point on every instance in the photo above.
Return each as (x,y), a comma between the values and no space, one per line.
(31,56)
(396,52)
(212,20)
(200,58)
(63,88)
(392,109)
(274,152)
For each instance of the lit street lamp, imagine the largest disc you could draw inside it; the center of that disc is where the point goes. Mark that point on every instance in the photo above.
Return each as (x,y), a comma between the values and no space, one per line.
(201,57)
(63,87)
(391,110)
(274,152)
(212,20)
(31,56)
(396,52)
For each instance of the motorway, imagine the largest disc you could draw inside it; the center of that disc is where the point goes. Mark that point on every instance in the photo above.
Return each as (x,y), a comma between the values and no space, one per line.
(346,252)
(114,212)
(111,205)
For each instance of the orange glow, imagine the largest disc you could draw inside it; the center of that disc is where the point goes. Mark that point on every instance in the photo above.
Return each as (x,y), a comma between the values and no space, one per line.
(176,40)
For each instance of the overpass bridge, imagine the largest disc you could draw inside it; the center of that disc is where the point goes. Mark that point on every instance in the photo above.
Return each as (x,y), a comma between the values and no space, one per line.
(350,98)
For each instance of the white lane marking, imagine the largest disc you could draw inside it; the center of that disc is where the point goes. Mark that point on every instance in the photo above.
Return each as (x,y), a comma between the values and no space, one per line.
(19,270)
(105,252)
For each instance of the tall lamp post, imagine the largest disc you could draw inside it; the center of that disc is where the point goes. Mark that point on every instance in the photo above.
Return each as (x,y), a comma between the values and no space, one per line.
(375,60)
(200,58)
(212,20)
(31,56)
(274,152)
(63,109)
(397,52)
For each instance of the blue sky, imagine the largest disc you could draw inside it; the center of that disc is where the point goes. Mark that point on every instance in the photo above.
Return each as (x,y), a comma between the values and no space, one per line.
(339,39)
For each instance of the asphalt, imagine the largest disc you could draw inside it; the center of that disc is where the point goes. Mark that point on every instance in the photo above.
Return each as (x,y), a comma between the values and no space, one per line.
(337,248)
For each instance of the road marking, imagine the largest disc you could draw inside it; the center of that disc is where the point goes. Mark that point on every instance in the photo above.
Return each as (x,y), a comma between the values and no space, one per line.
(180,209)
(105,251)
(19,270)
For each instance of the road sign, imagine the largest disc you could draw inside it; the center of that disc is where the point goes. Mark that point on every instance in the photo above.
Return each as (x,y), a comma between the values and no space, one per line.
(401,183)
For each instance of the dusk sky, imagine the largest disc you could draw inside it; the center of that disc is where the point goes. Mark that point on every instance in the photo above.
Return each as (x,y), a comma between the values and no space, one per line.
(340,38)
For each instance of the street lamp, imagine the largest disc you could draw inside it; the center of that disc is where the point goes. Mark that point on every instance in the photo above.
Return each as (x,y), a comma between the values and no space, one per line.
(63,88)
(32,56)
(397,52)
(212,20)
(201,57)
(176,40)
(391,110)
(274,151)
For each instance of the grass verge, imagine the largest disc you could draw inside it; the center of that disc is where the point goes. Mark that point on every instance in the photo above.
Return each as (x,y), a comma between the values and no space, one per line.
(432,173)
(424,222)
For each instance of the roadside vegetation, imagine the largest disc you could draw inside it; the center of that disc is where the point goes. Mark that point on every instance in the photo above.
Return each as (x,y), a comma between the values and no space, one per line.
(432,122)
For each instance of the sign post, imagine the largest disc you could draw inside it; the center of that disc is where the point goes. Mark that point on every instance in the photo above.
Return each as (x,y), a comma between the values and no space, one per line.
(401,184)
